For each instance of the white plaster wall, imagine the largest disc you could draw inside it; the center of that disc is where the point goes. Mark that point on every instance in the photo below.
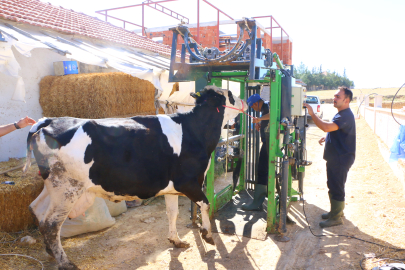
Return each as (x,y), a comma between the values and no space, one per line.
(33,69)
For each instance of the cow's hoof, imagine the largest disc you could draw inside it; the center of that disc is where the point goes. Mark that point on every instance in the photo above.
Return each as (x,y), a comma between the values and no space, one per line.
(68,266)
(209,240)
(180,244)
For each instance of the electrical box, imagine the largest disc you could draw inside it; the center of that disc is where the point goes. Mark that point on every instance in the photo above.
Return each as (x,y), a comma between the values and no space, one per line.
(65,68)
(298,96)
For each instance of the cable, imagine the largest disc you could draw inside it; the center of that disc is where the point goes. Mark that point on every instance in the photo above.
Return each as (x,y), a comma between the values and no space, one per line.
(392,103)
(342,235)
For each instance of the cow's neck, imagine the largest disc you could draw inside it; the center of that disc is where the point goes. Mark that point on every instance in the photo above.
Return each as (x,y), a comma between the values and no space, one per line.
(207,125)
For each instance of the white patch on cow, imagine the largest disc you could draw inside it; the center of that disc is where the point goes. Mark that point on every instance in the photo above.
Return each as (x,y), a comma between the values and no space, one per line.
(232,113)
(72,155)
(34,127)
(173,132)
(40,204)
(205,215)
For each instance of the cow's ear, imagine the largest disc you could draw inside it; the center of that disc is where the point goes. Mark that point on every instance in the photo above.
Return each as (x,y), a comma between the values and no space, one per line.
(194,95)
(230,96)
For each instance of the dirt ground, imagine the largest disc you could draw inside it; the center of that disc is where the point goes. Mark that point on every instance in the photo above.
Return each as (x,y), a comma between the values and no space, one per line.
(375,211)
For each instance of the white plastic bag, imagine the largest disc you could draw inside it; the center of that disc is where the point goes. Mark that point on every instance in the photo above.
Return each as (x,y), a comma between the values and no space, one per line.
(116,208)
(96,218)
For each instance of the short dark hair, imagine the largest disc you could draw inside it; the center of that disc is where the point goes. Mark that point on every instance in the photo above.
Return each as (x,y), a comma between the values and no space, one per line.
(348,92)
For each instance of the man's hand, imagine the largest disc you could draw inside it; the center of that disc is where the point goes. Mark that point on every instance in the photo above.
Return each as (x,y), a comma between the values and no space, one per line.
(256,120)
(25,122)
(322,140)
(310,110)
(257,126)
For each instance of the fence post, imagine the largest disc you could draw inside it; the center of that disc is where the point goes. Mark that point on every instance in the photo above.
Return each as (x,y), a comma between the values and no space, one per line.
(378,101)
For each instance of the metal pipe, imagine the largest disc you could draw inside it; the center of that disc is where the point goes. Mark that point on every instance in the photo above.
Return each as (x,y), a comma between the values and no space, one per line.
(133,6)
(276,57)
(283,195)
(218,29)
(271,33)
(198,22)
(231,139)
(143,15)
(281,43)
(218,9)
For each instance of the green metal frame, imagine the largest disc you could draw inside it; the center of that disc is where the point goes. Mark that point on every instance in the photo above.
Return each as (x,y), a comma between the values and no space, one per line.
(218,200)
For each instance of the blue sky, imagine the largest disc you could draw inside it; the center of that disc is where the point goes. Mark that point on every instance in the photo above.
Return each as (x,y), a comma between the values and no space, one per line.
(364,36)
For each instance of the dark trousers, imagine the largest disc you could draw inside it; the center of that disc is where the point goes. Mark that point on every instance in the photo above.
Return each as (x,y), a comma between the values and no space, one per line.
(263,167)
(336,171)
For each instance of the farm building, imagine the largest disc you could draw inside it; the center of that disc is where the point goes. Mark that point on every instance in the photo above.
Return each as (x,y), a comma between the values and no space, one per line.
(36,37)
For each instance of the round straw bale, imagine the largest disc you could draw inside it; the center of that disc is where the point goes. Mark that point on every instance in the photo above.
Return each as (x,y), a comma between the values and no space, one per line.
(15,199)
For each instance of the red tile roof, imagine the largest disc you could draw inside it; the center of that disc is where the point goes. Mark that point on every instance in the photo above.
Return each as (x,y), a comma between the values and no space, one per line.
(45,15)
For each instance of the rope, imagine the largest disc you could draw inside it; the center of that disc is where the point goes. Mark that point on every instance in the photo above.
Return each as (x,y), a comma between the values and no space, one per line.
(241,110)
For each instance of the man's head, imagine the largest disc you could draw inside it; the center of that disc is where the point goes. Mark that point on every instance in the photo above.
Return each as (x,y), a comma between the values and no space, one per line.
(342,98)
(254,102)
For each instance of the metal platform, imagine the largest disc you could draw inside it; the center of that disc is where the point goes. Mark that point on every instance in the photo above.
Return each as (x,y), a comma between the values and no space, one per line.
(233,220)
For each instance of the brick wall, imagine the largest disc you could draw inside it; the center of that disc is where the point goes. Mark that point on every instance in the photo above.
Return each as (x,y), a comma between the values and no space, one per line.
(208,38)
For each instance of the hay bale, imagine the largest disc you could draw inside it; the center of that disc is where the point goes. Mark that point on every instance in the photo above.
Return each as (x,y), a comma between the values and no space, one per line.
(96,95)
(15,199)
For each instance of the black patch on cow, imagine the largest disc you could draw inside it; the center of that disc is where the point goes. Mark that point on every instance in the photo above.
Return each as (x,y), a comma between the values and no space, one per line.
(231,99)
(58,132)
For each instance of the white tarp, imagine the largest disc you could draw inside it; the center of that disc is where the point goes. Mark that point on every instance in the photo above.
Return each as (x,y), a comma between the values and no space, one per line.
(119,59)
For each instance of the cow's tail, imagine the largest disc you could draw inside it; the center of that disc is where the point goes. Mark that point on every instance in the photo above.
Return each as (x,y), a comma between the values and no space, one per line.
(29,154)
(31,138)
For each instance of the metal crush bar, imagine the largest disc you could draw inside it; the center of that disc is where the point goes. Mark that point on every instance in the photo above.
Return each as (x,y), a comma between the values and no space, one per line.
(231,139)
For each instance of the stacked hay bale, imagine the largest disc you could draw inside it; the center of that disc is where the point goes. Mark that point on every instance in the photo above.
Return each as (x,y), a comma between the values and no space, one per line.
(15,199)
(96,95)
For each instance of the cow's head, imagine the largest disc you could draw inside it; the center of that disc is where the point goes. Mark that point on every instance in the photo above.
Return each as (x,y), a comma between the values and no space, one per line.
(233,104)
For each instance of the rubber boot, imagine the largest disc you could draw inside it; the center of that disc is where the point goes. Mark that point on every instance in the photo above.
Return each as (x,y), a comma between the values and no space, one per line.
(258,198)
(326,215)
(336,213)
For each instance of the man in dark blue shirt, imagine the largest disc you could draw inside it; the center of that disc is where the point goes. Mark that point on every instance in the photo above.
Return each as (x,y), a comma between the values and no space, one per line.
(259,105)
(339,153)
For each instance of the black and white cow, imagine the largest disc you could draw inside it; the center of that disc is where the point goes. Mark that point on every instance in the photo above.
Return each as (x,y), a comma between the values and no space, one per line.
(125,159)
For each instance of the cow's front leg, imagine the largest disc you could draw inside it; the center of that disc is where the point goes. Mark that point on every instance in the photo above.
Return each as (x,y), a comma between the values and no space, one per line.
(194,193)
(172,211)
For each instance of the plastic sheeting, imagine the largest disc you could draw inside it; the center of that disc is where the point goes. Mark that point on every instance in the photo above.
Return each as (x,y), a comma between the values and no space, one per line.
(146,67)
(398,147)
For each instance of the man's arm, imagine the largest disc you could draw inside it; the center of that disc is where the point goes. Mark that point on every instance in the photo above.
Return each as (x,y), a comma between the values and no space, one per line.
(6,129)
(262,118)
(22,123)
(325,126)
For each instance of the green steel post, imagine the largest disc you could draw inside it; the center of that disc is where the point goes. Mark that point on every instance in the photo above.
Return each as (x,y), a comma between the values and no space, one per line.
(275,56)
(210,185)
(210,174)
(289,171)
(241,185)
(275,99)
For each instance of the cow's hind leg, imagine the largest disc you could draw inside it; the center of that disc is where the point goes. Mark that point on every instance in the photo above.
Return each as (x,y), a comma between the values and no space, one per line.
(62,199)
(194,193)
(172,211)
